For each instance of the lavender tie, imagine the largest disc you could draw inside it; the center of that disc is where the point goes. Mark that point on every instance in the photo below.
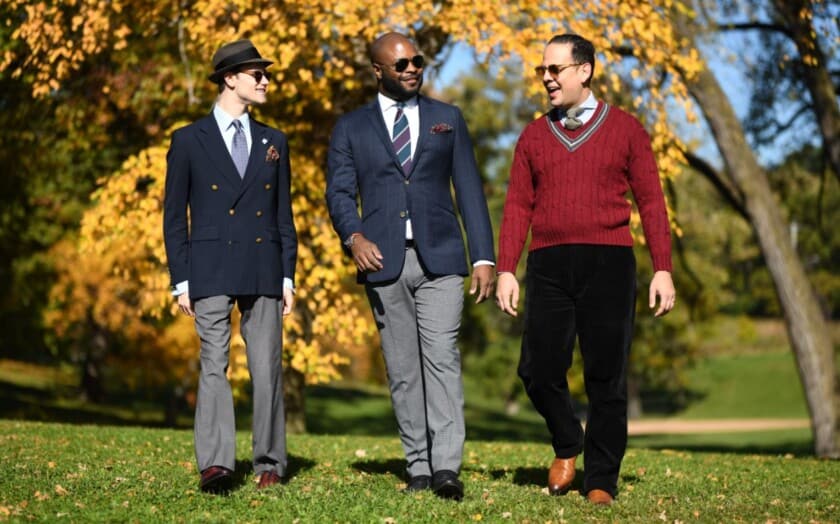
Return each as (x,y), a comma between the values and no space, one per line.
(402,138)
(239,149)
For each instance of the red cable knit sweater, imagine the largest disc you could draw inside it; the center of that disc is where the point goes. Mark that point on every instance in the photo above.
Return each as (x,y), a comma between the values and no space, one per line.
(569,187)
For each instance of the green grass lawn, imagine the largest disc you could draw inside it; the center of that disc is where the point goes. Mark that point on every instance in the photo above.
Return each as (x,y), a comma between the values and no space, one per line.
(750,385)
(80,473)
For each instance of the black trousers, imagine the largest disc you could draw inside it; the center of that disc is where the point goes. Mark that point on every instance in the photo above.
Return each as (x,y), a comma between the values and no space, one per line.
(588,292)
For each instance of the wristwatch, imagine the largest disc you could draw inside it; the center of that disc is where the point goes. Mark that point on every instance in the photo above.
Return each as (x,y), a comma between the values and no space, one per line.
(351,239)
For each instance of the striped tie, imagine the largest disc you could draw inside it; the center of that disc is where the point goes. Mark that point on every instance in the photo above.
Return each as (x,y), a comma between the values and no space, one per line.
(402,138)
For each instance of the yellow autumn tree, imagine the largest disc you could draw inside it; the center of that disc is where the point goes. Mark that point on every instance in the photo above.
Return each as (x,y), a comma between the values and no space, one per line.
(321,70)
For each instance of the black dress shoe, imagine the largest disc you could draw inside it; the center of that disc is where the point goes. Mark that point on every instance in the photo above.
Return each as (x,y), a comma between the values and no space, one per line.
(418,483)
(445,484)
(216,479)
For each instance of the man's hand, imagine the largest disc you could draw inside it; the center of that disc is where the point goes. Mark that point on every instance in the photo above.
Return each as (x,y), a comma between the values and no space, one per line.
(185,304)
(366,254)
(663,286)
(288,300)
(507,293)
(482,281)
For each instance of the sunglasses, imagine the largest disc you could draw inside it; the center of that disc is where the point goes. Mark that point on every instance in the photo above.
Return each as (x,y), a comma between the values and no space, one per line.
(553,69)
(258,75)
(402,64)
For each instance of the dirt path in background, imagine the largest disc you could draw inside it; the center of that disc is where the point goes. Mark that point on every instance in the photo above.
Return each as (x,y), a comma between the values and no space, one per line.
(670,426)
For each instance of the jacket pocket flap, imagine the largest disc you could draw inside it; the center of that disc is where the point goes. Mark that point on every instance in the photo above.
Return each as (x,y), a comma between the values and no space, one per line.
(205,233)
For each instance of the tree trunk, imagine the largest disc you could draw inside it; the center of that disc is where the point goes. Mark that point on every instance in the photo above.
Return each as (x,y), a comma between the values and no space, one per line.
(807,329)
(816,76)
(293,399)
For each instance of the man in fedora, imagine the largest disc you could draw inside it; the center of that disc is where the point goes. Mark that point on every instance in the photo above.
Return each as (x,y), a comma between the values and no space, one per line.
(237,245)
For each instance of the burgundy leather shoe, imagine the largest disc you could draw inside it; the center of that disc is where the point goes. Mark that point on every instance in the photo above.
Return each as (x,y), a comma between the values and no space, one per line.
(216,479)
(560,475)
(599,497)
(269,478)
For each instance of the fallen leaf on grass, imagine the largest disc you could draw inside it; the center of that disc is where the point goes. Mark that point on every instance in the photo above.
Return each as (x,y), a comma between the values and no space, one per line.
(360,453)
(41,496)
(59,490)
(507,515)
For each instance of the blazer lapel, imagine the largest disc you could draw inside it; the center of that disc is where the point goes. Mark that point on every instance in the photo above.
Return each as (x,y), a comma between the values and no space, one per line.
(423,110)
(257,155)
(378,124)
(211,140)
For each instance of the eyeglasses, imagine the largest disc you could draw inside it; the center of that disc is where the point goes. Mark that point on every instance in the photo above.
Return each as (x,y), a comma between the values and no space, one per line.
(402,64)
(258,75)
(553,69)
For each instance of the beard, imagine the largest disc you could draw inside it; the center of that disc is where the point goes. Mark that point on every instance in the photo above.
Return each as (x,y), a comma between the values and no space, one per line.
(394,89)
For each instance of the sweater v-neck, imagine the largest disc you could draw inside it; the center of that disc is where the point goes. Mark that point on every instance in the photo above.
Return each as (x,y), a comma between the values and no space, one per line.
(574,139)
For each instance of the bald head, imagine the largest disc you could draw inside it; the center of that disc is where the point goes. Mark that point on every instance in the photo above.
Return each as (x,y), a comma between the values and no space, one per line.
(383,47)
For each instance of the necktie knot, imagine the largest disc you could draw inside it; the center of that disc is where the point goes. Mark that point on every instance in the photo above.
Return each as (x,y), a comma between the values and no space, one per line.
(571,121)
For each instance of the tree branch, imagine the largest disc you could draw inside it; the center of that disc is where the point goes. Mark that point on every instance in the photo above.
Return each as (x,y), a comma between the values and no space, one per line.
(732,196)
(756,26)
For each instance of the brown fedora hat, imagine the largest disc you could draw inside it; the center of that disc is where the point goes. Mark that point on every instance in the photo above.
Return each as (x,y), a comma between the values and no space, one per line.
(233,55)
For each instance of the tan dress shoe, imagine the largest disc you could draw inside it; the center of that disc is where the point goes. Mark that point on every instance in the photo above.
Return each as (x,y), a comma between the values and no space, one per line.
(560,475)
(600,497)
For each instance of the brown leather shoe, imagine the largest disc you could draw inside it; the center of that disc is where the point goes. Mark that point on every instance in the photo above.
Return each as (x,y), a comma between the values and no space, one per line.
(560,475)
(600,497)
(216,479)
(269,478)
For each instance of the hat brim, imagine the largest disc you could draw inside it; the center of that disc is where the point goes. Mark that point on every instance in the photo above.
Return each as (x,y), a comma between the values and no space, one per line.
(216,76)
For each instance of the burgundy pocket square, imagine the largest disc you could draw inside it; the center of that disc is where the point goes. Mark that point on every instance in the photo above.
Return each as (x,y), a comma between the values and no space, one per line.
(441,128)
(272,155)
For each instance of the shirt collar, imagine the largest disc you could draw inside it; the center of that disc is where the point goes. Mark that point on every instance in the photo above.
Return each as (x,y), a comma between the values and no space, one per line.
(224,119)
(386,103)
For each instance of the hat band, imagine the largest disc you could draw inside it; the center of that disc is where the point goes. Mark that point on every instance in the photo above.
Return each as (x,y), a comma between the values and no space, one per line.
(238,58)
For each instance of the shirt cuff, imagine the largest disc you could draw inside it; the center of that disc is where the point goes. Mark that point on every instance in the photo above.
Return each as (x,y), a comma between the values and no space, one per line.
(288,284)
(483,263)
(181,288)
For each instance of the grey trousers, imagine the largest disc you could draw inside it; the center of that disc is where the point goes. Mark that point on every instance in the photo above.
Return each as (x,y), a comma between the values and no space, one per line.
(418,318)
(261,326)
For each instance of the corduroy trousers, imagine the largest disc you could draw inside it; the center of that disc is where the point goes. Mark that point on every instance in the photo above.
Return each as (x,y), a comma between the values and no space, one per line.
(584,292)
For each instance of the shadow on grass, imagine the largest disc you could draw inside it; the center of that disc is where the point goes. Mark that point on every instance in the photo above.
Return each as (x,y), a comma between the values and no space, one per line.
(394,467)
(244,472)
(796,448)
(28,403)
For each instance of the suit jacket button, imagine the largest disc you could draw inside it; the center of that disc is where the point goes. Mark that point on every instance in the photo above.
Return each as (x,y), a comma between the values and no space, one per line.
(267,187)
(214,187)
(406,182)
(259,213)
(259,240)
(231,212)
(402,214)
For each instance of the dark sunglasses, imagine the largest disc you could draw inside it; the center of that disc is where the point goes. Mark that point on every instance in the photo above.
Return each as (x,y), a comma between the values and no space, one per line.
(258,75)
(553,69)
(402,64)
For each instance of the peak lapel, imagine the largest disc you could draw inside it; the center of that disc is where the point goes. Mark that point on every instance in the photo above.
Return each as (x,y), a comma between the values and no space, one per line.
(211,140)
(257,154)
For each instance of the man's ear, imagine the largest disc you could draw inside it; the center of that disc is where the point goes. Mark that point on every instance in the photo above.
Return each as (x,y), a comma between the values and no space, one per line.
(227,76)
(377,71)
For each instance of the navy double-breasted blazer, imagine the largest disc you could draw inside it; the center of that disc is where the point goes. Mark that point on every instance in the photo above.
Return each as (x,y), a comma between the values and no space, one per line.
(238,237)
(362,165)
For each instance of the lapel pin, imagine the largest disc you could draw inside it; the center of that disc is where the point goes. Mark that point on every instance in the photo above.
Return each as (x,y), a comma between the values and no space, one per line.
(265,140)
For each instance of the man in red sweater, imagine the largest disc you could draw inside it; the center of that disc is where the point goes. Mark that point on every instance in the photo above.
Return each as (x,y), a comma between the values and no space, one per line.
(571,171)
